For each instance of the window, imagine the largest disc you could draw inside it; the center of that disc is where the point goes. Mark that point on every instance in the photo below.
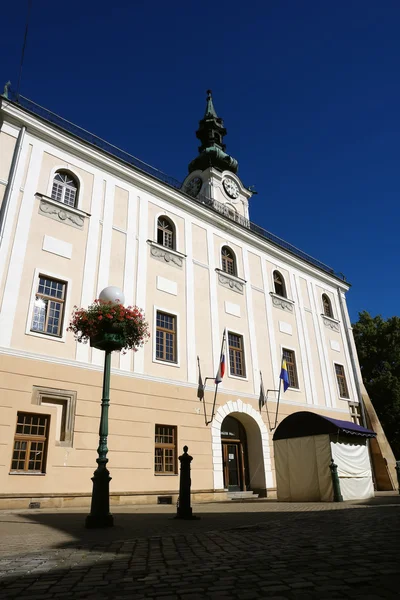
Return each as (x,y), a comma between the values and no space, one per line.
(236,355)
(355,413)
(30,443)
(279,285)
(341,379)
(290,358)
(165,233)
(166,337)
(48,309)
(63,403)
(165,449)
(65,188)
(327,305)
(228,261)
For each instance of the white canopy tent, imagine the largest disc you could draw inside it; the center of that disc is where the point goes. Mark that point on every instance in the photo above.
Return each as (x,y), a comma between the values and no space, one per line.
(305,444)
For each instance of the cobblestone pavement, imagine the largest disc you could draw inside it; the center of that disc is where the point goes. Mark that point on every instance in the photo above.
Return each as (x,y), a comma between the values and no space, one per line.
(241,551)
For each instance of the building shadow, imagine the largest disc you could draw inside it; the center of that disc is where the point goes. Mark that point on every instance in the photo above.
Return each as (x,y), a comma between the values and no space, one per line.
(327,552)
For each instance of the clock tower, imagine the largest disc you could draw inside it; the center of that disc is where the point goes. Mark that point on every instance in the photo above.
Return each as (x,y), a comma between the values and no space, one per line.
(213,173)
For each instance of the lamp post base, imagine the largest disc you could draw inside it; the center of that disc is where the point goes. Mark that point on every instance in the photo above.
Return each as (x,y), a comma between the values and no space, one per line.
(99,521)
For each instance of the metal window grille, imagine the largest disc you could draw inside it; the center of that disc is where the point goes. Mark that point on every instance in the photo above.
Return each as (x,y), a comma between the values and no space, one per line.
(166,337)
(327,306)
(342,383)
(48,309)
(228,261)
(64,189)
(165,233)
(279,284)
(30,443)
(290,358)
(236,355)
(165,449)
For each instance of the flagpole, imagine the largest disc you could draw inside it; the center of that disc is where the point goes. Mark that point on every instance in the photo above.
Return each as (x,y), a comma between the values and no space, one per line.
(277,405)
(265,400)
(217,384)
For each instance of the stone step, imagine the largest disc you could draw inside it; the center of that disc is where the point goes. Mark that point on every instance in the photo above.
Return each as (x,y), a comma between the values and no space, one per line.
(241,495)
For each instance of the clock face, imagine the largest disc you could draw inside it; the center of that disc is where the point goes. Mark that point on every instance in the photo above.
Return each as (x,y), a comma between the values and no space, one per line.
(231,188)
(193,186)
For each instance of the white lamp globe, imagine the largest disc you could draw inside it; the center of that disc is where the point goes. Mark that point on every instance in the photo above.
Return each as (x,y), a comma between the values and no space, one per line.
(112,294)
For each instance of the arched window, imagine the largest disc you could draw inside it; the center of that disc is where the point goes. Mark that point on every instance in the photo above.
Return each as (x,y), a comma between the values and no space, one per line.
(279,285)
(65,188)
(165,233)
(228,261)
(326,303)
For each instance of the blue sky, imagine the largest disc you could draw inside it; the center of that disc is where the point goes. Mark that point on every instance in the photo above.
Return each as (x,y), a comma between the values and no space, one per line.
(309,91)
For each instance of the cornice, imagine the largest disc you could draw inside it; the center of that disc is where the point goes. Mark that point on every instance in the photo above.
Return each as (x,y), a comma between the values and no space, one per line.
(151,185)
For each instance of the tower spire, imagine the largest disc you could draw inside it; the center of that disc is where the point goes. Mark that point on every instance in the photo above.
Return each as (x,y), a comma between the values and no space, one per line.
(210,110)
(211,133)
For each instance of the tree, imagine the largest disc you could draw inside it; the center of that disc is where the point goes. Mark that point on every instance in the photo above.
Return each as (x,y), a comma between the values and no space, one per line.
(378,348)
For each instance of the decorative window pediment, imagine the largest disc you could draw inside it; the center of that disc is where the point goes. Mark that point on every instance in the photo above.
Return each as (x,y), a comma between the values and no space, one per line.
(61,212)
(331,323)
(172,257)
(281,302)
(231,281)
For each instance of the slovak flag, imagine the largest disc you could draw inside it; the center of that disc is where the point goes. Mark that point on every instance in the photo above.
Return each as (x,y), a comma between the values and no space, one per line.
(221,368)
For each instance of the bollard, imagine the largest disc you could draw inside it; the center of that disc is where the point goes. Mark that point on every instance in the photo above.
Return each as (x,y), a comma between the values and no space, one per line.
(337,494)
(398,473)
(184,510)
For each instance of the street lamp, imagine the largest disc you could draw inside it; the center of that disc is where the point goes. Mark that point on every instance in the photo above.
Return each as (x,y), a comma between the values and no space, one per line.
(108,341)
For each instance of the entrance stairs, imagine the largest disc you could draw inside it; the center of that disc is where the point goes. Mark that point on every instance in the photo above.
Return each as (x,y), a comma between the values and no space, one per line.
(242,496)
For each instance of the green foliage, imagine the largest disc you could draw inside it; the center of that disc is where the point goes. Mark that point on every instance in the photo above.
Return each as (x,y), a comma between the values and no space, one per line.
(378,348)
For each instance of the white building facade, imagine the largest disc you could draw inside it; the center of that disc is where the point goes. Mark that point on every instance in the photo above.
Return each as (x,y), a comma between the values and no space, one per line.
(78,215)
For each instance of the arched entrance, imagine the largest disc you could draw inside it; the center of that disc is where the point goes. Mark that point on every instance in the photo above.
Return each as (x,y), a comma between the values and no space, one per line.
(234,455)
(257,471)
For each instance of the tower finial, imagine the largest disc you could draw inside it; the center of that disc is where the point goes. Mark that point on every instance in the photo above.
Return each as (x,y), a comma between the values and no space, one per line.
(210,110)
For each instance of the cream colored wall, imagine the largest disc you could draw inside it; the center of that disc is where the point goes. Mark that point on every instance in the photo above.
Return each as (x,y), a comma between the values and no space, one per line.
(319,386)
(270,378)
(52,265)
(305,294)
(137,405)
(7,145)
(121,198)
(202,311)
(255,270)
(24,168)
(199,242)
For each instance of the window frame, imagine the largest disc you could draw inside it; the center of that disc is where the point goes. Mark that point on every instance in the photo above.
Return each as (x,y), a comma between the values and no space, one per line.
(294,388)
(283,284)
(329,304)
(243,377)
(171,313)
(72,175)
(356,413)
(335,364)
(233,260)
(174,230)
(29,439)
(35,283)
(166,446)
(54,397)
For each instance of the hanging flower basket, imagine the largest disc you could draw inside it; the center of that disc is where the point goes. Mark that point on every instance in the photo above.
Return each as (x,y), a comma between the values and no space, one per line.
(110,326)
